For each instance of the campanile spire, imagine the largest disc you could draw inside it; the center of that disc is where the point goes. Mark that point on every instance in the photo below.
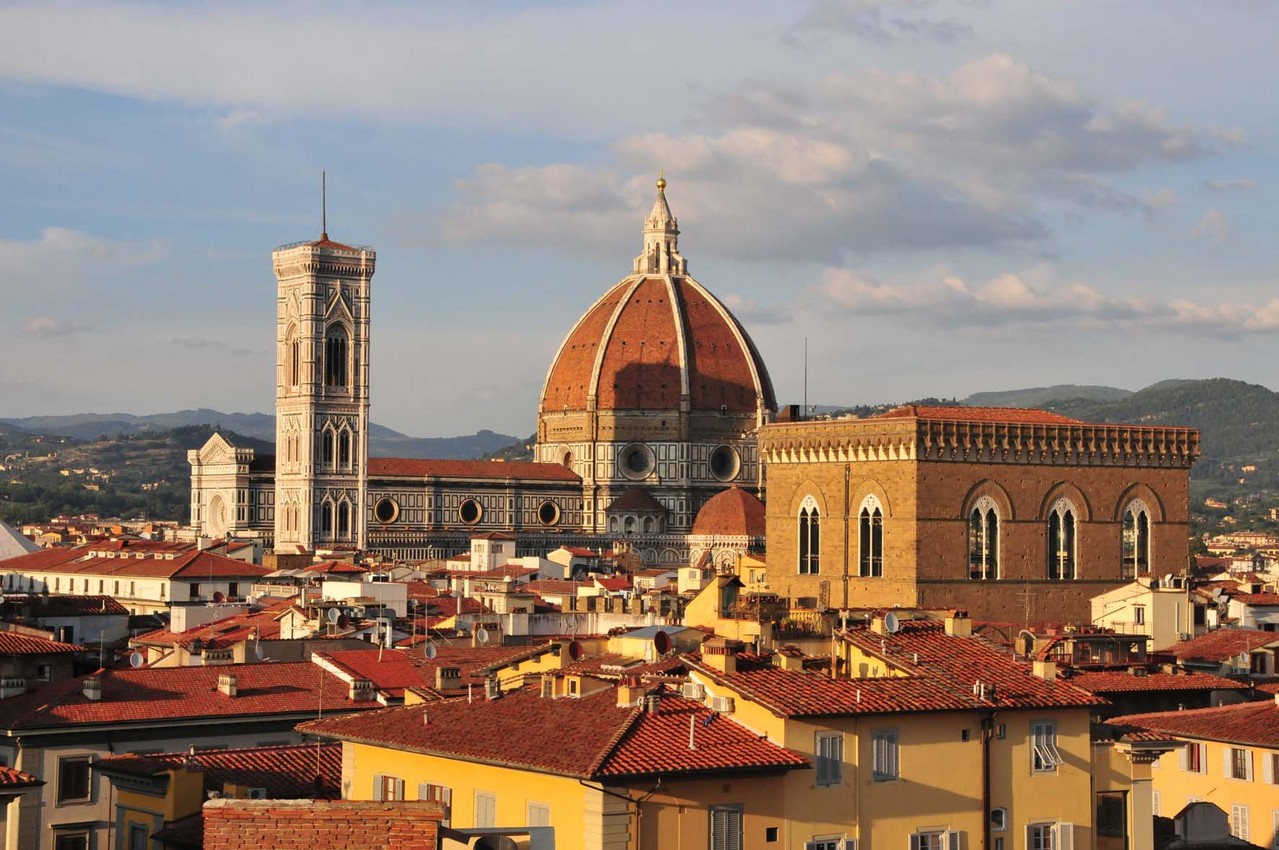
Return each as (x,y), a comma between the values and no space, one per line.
(661,239)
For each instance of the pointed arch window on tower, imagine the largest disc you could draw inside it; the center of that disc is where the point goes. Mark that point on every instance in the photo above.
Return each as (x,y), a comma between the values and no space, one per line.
(344,448)
(870,538)
(294,356)
(1136,540)
(983,540)
(344,520)
(810,538)
(327,441)
(326,518)
(336,355)
(1062,544)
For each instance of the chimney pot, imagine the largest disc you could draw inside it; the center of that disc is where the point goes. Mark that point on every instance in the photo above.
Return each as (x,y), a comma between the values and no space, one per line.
(93,688)
(227,684)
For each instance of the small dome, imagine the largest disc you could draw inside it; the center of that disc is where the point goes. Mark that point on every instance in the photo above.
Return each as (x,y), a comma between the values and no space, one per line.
(732,513)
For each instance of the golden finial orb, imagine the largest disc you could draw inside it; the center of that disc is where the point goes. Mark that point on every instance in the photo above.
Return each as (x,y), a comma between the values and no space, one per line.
(661,180)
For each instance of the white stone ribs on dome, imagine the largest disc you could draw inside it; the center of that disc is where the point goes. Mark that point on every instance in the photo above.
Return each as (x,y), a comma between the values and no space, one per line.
(746,345)
(685,397)
(593,388)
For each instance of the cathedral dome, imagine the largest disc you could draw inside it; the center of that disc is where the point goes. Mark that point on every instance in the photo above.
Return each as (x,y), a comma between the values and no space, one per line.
(732,513)
(658,341)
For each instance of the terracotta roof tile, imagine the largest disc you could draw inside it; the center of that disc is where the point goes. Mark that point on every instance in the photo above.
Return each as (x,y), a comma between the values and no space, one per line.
(637,499)
(1117,681)
(1018,415)
(481,469)
(13,778)
(1253,723)
(17,643)
(152,695)
(309,771)
(734,512)
(594,738)
(1221,645)
(62,606)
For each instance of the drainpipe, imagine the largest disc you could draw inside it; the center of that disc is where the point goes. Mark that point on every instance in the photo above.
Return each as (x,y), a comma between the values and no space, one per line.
(987,732)
(848,470)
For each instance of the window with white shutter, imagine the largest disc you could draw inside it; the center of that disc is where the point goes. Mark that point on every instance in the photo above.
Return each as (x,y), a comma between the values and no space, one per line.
(1154,803)
(726,827)
(1239,821)
(387,787)
(485,809)
(539,814)
(1269,765)
(830,757)
(1044,756)
(1039,836)
(1064,836)
(885,765)
(438,794)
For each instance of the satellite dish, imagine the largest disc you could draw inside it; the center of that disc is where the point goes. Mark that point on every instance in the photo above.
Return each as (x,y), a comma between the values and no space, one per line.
(136,660)
(1216,593)
(892,625)
(662,643)
(431,651)
(219,597)
(334,615)
(259,652)
(575,650)
(482,636)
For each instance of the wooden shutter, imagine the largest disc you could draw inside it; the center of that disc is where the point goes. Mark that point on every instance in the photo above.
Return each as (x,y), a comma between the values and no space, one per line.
(378,786)
(1184,757)
(1268,768)
(915,841)
(954,840)
(1064,836)
(1227,758)
(726,828)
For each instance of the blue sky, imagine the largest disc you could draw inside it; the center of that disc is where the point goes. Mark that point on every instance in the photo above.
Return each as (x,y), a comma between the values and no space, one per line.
(942,197)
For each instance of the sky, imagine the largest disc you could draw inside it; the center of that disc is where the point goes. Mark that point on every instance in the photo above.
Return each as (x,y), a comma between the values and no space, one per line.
(940,197)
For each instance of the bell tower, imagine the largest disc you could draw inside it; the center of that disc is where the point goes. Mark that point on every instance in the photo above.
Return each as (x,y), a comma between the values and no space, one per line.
(321,394)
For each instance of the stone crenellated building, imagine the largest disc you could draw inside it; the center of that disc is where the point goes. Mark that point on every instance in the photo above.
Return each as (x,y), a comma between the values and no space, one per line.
(1011,514)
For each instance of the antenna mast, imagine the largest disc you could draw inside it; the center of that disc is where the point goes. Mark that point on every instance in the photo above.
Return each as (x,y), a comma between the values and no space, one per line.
(803,414)
(324,204)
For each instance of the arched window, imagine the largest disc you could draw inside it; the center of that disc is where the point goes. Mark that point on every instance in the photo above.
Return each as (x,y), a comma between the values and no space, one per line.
(326,518)
(344,520)
(344,447)
(983,540)
(1136,540)
(810,538)
(336,352)
(648,525)
(1062,555)
(293,359)
(870,537)
(328,447)
(629,523)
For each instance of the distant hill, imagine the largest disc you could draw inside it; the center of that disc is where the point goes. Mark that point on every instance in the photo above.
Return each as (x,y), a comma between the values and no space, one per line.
(383,441)
(1040,396)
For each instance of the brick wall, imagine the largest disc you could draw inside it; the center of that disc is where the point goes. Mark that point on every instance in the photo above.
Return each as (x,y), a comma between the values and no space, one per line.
(926,532)
(321,825)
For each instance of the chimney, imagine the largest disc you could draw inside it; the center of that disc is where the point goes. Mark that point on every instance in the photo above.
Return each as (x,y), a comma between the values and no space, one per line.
(93,688)
(492,688)
(1046,670)
(959,625)
(226,684)
(448,679)
(721,654)
(788,660)
(361,690)
(629,692)
(11,686)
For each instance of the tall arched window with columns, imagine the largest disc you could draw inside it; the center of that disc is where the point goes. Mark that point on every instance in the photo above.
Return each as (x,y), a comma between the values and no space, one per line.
(810,538)
(983,540)
(870,538)
(1136,539)
(1062,542)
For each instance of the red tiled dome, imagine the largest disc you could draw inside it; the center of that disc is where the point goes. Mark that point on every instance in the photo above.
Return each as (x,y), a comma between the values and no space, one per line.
(733,512)
(649,341)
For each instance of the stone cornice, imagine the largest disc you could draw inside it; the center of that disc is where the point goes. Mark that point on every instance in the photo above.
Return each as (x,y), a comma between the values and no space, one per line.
(945,440)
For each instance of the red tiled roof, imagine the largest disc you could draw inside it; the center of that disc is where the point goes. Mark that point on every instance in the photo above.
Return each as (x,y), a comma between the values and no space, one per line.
(636,499)
(613,583)
(336,568)
(594,737)
(159,561)
(1260,599)
(515,571)
(556,586)
(17,643)
(12,778)
(635,337)
(263,624)
(1221,645)
(733,512)
(1016,415)
(171,693)
(483,469)
(307,771)
(63,606)
(1116,681)
(941,679)
(1253,723)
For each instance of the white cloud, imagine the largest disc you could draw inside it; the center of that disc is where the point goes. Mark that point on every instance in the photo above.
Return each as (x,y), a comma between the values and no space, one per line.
(1031,301)
(1212,226)
(48,326)
(63,262)
(752,313)
(1229,185)
(878,21)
